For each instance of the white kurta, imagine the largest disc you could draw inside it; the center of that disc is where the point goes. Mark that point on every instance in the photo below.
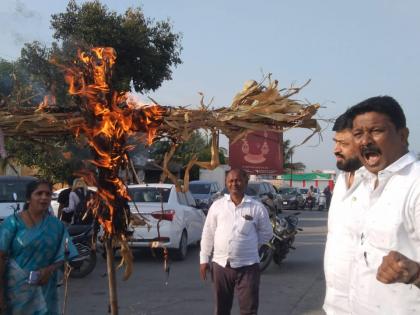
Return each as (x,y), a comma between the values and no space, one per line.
(344,225)
(390,222)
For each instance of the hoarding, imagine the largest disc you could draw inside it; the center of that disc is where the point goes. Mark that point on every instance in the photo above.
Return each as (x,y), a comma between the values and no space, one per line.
(259,152)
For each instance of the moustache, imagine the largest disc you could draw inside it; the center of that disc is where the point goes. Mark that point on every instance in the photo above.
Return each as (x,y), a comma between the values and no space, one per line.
(370,149)
(339,155)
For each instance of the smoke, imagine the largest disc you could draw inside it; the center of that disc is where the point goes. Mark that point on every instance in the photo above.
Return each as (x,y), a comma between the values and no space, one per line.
(20,24)
(22,10)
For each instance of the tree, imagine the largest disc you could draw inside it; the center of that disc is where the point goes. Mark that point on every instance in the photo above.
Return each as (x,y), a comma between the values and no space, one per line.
(146,52)
(55,161)
(6,80)
(288,164)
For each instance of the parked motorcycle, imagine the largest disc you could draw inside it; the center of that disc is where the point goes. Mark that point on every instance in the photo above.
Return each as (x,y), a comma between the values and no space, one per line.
(284,232)
(83,264)
(322,204)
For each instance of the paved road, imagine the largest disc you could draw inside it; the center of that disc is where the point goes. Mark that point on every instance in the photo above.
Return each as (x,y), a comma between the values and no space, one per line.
(294,288)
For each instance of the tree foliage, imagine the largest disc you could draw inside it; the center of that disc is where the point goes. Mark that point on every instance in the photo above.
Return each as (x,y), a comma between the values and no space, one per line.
(288,164)
(146,50)
(146,53)
(55,161)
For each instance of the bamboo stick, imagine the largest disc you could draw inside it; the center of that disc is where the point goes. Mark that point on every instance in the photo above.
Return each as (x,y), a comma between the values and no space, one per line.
(112,284)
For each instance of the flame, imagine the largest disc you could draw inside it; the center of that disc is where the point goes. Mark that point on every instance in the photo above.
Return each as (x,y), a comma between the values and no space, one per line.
(49,100)
(110,118)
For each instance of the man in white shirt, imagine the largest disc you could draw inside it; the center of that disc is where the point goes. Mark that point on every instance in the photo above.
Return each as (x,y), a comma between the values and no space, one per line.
(342,221)
(385,272)
(236,226)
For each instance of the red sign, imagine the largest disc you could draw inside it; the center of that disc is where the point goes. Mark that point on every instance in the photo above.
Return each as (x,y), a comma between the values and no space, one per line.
(259,152)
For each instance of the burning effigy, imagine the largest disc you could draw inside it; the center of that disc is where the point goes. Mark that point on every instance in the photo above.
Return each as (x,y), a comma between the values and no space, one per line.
(107,118)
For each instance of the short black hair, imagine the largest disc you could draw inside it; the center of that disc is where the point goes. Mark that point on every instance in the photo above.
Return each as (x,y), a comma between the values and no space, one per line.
(381,104)
(342,122)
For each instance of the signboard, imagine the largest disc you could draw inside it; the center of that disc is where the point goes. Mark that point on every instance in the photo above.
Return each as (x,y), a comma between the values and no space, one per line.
(259,152)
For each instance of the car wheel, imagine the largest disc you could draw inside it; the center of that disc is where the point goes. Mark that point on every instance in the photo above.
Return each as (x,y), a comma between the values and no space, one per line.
(181,252)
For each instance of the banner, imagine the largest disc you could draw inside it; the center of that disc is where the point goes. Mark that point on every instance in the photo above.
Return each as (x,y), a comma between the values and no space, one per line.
(259,152)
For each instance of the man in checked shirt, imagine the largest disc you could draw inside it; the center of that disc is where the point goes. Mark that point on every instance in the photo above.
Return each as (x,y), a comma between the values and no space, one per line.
(236,226)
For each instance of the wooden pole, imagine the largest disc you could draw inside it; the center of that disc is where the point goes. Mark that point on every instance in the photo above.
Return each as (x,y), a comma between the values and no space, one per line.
(112,285)
(133,170)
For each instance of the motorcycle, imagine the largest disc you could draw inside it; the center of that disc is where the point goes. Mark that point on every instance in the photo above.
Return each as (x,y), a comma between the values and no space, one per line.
(284,232)
(85,262)
(322,204)
(309,203)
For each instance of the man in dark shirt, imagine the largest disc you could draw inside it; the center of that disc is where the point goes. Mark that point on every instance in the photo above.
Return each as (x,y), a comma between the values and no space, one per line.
(63,200)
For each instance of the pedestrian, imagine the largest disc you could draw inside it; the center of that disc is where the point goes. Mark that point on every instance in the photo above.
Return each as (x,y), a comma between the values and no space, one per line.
(63,202)
(236,226)
(385,271)
(78,199)
(342,236)
(32,248)
(310,197)
(327,194)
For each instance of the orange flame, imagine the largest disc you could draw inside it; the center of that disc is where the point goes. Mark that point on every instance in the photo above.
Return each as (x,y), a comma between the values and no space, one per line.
(49,100)
(110,117)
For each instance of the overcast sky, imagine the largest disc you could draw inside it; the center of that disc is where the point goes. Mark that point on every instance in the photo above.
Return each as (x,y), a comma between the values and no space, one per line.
(351,50)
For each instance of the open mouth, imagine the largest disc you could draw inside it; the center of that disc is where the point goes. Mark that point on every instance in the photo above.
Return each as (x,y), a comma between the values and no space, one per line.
(371,156)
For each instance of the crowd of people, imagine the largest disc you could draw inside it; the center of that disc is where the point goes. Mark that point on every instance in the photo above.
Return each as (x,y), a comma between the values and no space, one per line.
(372,254)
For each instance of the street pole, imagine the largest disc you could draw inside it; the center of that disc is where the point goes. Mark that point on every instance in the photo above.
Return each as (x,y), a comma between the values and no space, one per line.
(291,168)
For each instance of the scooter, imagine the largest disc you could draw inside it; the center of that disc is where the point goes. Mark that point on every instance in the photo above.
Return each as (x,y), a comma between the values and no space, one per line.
(83,264)
(322,204)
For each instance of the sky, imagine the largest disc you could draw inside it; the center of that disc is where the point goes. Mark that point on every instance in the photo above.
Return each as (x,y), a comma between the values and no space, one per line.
(351,50)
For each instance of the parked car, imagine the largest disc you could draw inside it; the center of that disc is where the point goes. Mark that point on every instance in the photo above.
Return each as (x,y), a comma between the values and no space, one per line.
(291,198)
(204,192)
(276,195)
(180,222)
(12,194)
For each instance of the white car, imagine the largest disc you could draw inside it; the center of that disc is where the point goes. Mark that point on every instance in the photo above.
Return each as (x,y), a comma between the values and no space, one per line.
(180,222)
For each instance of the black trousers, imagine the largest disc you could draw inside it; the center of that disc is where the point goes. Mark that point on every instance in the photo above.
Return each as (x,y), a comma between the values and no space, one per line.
(245,281)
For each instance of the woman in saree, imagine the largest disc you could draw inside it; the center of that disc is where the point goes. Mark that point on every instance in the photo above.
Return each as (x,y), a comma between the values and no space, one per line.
(32,240)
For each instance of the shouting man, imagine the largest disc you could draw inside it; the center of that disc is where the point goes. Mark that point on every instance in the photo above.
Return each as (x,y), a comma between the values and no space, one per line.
(385,270)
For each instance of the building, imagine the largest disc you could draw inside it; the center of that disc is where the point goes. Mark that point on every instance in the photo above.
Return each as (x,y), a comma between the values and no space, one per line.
(319,179)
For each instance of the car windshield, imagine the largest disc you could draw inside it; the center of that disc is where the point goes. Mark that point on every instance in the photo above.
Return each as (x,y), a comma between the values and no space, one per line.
(200,188)
(250,191)
(10,186)
(287,191)
(149,194)
(304,190)
(254,187)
